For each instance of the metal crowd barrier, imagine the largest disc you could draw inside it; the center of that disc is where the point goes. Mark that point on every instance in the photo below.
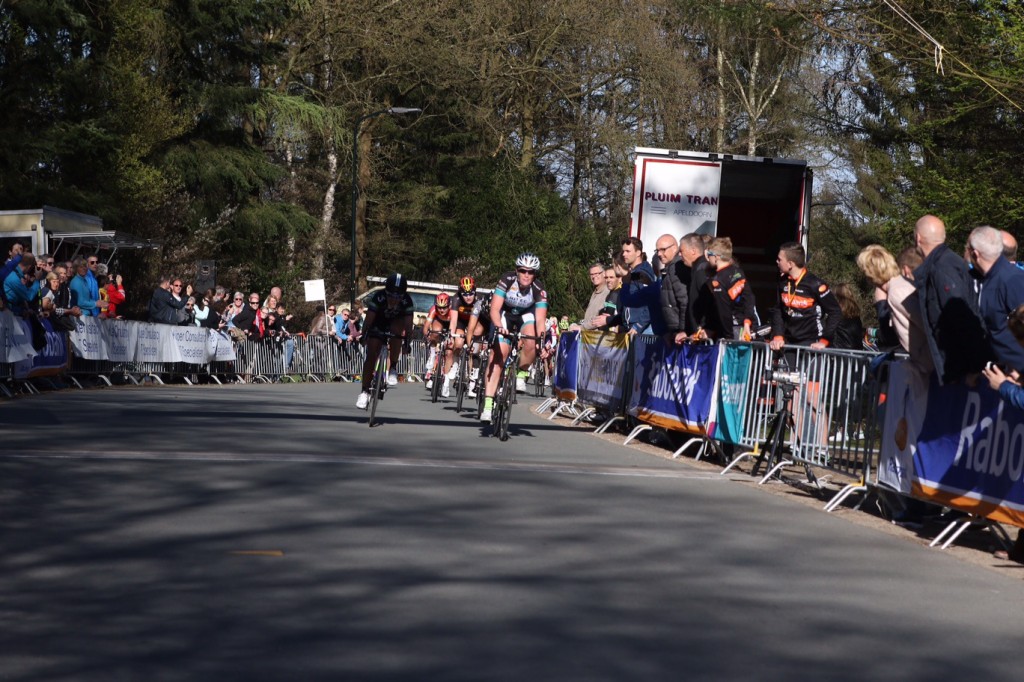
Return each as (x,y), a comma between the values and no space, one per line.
(834,408)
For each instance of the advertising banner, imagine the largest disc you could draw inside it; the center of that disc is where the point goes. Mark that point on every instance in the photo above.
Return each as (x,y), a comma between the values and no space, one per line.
(674,387)
(15,342)
(120,339)
(732,393)
(127,341)
(567,365)
(969,451)
(905,403)
(675,196)
(53,359)
(602,366)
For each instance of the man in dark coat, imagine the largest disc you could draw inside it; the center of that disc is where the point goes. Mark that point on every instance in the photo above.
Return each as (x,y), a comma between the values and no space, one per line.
(1002,290)
(698,302)
(949,310)
(163,306)
(674,288)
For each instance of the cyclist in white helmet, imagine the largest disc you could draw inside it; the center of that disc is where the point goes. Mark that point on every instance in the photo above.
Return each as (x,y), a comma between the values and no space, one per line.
(518,302)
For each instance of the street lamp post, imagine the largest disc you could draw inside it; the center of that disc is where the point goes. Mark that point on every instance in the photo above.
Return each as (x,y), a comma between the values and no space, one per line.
(355,179)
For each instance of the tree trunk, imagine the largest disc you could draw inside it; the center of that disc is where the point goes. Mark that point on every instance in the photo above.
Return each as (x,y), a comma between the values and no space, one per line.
(363,142)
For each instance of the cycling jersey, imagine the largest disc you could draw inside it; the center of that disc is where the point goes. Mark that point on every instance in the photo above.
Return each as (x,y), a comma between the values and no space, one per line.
(482,309)
(386,311)
(520,301)
(734,303)
(806,311)
(463,310)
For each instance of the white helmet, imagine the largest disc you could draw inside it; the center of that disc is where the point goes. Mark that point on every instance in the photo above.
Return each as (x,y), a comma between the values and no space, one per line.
(528,260)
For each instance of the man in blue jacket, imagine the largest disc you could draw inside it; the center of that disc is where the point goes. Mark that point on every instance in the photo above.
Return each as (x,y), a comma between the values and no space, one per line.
(641,291)
(20,285)
(1002,290)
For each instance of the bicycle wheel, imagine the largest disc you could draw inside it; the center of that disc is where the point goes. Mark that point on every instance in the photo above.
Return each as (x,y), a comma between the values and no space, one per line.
(435,389)
(538,376)
(461,379)
(380,379)
(505,415)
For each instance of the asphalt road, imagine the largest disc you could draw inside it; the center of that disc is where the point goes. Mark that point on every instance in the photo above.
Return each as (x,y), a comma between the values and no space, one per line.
(265,533)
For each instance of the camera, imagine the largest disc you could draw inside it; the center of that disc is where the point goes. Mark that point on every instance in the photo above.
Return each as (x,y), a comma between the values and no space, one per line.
(783,376)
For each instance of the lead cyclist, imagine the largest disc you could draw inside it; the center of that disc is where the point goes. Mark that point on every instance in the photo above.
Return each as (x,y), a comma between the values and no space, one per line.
(518,302)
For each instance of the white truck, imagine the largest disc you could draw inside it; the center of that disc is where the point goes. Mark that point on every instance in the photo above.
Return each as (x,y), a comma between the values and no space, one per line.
(758,202)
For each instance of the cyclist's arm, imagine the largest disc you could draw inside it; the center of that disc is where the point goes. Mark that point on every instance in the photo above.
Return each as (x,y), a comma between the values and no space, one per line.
(453,322)
(371,315)
(426,326)
(497,303)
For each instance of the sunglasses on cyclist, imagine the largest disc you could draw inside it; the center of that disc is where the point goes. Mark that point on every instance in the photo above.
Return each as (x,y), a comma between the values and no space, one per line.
(526,271)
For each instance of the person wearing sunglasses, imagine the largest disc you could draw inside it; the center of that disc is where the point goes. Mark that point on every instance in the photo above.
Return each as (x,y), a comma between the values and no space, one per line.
(519,302)
(389,309)
(440,316)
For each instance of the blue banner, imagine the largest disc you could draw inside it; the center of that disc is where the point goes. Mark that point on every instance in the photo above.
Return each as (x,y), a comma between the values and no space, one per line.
(52,360)
(965,446)
(674,387)
(567,366)
(732,393)
(603,361)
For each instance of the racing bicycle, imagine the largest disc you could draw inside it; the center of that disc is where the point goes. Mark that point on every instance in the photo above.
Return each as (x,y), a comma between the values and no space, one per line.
(506,393)
(379,385)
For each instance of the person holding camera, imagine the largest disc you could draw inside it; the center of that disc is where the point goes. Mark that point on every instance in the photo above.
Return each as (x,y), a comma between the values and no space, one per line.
(21,287)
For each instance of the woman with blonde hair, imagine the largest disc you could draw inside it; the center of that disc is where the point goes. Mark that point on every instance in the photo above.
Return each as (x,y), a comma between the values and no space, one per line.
(898,319)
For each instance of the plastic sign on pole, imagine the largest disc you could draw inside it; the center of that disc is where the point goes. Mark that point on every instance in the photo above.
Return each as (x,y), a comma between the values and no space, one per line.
(315,290)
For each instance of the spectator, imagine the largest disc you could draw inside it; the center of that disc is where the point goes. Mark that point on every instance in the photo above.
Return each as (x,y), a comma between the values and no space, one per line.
(675,293)
(1002,291)
(275,294)
(340,324)
(698,295)
(58,293)
(115,296)
(20,286)
(44,266)
(321,325)
(641,291)
(806,312)
(949,310)
(597,297)
(249,321)
(733,314)
(93,262)
(612,314)
(14,256)
(355,324)
(86,295)
(280,326)
(850,330)
(219,294)
(899,318)
(1009,246)
(189,318)
(203,311)
(1008,383)
(236,306)
(164,308)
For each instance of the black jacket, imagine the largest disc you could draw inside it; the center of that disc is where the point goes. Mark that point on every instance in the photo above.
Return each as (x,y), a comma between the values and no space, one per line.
(163,307)
(699,301)
(806,310)
(949,312)
(675,295)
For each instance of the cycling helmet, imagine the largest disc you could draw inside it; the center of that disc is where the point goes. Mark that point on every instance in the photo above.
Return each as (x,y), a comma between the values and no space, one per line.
(528,260)
(396,284)
(442,301)
(467,285)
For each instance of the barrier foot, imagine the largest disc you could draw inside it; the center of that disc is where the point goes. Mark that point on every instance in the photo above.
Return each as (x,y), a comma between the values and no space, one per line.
(558,410)
(739,458)
(583,415)
(636,432)
(104,379)
(682,448)
(957,527)
(313,377)
(7,392)
(777,467)
(187,382)
(75,381)
(544,405)
(156,378)
(604,427)
(214,377)
(839,497)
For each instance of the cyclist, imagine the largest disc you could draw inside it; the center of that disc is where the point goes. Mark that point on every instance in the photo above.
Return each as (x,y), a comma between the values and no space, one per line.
(519,302)
(459,326)
(438,318)
(387,310)
(480,323)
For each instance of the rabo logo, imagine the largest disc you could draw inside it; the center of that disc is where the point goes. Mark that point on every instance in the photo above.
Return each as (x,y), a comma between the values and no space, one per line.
(992,446)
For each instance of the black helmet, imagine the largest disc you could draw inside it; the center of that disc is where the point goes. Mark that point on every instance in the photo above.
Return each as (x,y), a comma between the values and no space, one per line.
(396,284)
